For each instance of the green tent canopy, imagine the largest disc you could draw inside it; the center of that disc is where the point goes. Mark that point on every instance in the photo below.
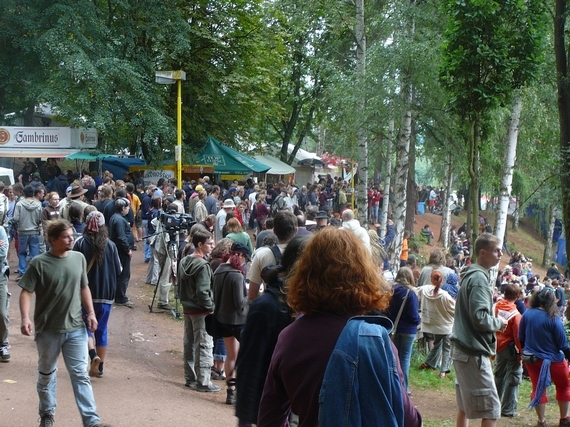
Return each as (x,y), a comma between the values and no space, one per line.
(226,160)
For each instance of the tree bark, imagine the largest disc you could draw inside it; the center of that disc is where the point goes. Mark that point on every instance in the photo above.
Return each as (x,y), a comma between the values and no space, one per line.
(362,194)
(446,215)
(411,192)
(547,258)
(401,175)
(563,111)
(517,213)
(475,139)
(387,178)
(509,158)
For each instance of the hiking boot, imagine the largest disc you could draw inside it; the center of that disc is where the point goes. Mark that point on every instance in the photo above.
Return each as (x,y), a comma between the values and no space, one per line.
(101,425)
(163,306)
(541,424)
(4,354)
(231,398)
(210,388)
(94,371)
(47,420)
(564,422)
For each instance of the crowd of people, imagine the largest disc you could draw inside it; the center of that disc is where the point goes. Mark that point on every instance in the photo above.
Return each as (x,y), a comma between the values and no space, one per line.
(282,320)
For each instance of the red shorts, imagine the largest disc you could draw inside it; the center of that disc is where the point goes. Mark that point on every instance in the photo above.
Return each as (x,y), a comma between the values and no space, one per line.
(559,375)
(431,203)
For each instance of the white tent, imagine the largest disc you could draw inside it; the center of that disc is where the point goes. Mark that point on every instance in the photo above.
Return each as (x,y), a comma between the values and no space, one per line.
(277,166)
(7,175)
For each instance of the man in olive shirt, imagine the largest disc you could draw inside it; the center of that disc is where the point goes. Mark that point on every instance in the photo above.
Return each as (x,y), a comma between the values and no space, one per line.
(61,290)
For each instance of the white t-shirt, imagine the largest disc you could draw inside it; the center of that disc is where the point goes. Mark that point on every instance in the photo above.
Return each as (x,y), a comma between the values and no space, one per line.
(262,257)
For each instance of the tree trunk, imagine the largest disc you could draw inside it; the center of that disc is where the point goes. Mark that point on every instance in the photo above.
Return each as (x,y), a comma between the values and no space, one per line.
(362,196)
(508,167)
(563,111)
(446,215)
(547,259)
(411,192)
(387,178)
(401,176)
(475,139)
(517,214)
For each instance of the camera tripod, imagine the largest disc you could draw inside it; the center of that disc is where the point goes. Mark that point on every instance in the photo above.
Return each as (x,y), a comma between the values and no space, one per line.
(170,258)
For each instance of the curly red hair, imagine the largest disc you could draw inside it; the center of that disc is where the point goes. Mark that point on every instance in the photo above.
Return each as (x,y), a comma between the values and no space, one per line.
(336,274)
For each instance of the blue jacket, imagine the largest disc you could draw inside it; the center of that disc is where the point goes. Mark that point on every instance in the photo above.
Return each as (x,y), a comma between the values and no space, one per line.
(361,384)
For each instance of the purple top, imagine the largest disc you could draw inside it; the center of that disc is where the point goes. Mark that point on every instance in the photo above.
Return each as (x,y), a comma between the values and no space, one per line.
(297,370)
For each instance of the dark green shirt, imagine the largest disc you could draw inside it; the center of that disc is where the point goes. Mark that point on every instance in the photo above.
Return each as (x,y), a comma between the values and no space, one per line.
(57,283)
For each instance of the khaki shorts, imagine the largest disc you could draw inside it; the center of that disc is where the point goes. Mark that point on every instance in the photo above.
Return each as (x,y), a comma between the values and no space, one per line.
(475,390)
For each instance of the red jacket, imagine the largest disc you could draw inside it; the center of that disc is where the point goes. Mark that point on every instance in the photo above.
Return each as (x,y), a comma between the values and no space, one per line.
(508,310)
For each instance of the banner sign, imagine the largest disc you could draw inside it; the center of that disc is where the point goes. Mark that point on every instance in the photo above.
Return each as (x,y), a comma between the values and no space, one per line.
(47,137)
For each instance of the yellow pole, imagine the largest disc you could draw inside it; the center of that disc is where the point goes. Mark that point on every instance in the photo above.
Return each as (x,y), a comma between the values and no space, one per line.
(179,136)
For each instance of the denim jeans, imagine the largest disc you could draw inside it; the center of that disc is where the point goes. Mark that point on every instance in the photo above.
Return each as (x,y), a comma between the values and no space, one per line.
(73,346)
(508,376)
(4,310)
(147,248)
(198,346)
(405,345)
(25,241)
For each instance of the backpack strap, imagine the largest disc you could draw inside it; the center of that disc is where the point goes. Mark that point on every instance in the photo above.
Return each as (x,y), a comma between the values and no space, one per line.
(276,253)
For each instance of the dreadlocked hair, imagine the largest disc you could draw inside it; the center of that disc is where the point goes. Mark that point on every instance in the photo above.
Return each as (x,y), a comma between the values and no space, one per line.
(97,241)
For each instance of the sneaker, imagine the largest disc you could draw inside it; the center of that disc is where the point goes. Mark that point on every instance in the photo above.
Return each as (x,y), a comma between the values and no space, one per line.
(94,371)
(210,388)
(47,420)
(541,424)
(564,422)
(101,425)
(231,398)
(4,354)
(165,307)
(191,384)
(127,303)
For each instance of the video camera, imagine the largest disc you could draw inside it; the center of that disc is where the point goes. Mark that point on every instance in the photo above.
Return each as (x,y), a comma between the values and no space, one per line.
(176,221)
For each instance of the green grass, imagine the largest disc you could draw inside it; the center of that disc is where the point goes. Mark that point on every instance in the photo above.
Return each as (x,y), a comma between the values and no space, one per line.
(423,381)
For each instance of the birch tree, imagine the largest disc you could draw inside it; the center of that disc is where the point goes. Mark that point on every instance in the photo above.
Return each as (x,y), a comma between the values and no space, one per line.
(446,215)
(387,178)
(484,64)
(362,194)
(508,168)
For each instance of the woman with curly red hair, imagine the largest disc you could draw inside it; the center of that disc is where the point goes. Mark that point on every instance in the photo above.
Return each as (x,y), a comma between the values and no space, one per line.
(334,279)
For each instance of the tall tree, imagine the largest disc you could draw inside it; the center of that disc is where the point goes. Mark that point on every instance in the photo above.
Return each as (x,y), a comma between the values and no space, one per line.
(561,50)
(491,48)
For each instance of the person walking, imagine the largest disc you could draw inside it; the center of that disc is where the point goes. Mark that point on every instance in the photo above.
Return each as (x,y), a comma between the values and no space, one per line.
(103,270)
(59,280)
(473,338)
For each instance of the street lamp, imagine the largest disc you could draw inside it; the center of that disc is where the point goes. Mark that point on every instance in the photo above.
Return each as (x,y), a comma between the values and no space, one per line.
(168,78)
